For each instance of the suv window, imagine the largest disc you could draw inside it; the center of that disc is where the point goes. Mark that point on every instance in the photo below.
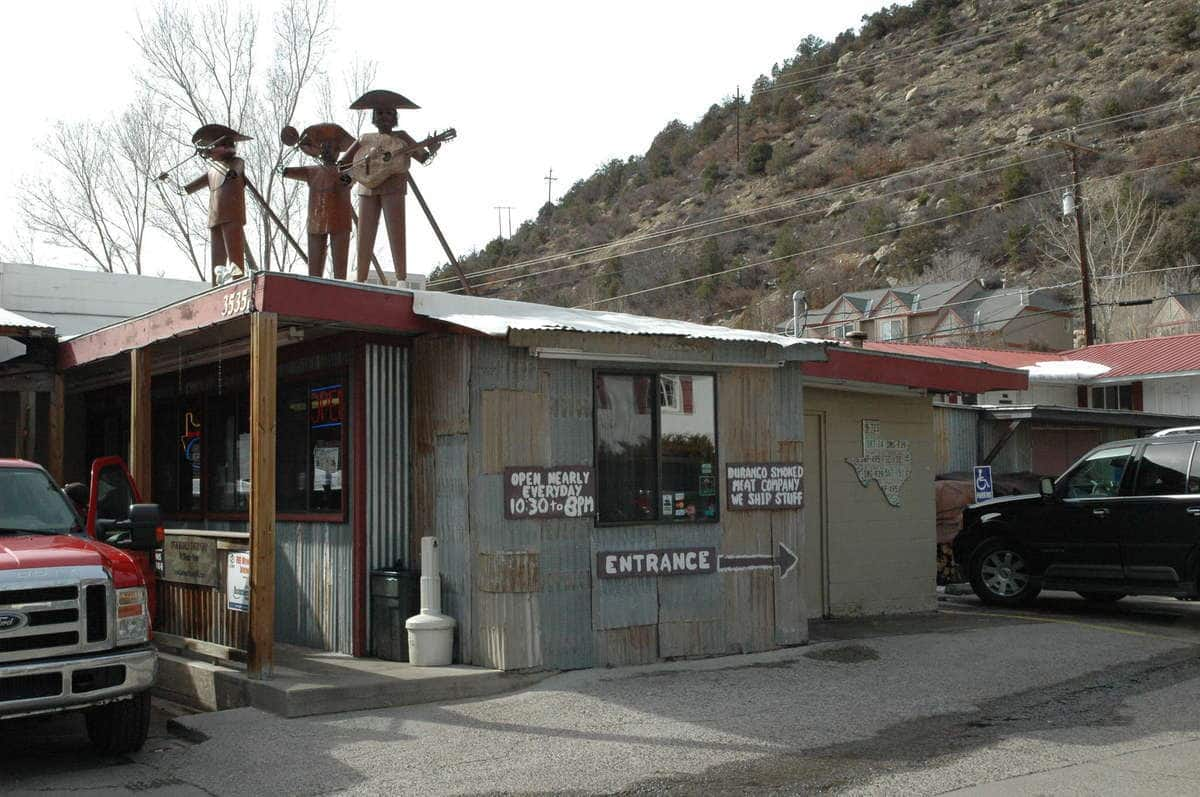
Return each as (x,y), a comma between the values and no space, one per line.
(1099,474)
(1164,470)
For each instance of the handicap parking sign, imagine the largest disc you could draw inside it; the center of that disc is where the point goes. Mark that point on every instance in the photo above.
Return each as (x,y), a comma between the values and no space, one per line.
(983,483)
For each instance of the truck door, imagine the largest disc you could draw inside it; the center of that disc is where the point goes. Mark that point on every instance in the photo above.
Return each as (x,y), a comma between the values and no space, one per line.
(111,493)
(1083,525)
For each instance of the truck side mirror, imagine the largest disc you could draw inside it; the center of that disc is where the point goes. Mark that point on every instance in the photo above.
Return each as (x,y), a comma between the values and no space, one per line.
(144,521)
(1047,487)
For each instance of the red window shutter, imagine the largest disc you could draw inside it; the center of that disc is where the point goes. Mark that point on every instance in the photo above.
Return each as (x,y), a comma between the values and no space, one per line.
(1081,393)
(688,401)
(1136,396)
(602,400)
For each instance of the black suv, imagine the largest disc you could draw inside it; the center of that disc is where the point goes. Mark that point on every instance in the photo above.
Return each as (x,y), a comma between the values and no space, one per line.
(1123,520)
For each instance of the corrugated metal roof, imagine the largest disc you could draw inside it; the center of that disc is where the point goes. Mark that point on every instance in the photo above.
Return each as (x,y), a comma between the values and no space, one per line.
(1171,354)
(19,323)
(1165,355)
(497,317)
(1014,358)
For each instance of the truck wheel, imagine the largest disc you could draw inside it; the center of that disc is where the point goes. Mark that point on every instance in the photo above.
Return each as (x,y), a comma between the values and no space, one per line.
(1000,574)
(120,727)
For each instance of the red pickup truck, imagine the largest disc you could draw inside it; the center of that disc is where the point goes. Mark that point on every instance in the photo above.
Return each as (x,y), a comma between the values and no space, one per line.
(76,598)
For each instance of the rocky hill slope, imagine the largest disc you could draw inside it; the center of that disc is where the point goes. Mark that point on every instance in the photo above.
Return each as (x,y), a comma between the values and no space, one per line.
(920,147)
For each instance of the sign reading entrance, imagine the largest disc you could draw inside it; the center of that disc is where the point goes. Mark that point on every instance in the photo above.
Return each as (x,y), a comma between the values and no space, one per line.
(190,560)
(563,491)
(666,562)
(764,485)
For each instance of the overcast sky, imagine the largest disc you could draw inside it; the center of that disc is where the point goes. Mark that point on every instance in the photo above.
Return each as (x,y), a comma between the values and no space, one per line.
(529,86)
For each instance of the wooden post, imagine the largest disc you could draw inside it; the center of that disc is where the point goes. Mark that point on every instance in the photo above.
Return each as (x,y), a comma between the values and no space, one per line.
(57,420)
(139,420)
(264,329)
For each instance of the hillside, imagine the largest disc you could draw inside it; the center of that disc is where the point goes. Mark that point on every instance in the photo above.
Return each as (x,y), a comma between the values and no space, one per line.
(921,146)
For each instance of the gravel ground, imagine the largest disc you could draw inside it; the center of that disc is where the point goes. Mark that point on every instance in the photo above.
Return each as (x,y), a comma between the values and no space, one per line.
(966,698)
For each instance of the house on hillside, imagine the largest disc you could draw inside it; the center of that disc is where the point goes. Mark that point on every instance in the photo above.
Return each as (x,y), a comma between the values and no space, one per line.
(1176,315)
(948,313)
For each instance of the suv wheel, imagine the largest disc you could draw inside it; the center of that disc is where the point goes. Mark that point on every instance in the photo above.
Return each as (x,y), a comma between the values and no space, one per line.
(120,727)
(1000,574)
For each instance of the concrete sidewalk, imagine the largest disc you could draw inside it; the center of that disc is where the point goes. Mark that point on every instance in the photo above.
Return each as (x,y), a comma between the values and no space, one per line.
(308,682)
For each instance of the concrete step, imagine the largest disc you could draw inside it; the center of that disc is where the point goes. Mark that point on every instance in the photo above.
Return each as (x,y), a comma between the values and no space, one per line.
(310,682)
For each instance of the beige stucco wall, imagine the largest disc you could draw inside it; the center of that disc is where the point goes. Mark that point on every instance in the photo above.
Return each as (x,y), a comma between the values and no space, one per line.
(881,558)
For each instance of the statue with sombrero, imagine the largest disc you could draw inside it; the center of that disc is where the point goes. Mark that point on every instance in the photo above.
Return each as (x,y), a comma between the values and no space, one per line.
(329,211)
(226,182)
(379,162)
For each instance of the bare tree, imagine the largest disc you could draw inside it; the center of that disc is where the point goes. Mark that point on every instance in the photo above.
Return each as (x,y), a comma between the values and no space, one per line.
(96,199)
(1122,225)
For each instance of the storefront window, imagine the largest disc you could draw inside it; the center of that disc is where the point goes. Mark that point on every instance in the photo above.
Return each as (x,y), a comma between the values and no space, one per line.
(177,459)
(310,449)
(228,454)
(656,447)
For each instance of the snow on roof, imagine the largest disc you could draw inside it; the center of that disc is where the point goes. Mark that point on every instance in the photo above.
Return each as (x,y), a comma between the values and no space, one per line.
(9,319)
(497,317)
(1070,371)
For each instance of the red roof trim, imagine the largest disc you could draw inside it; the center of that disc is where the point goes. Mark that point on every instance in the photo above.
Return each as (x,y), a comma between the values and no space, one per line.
(925,373)
(291,296)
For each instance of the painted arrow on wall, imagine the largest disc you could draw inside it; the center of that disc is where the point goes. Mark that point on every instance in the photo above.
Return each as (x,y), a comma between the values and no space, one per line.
(785,560)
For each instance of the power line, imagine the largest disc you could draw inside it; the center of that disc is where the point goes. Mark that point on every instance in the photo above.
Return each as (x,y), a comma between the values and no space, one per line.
(876,235)
(827,193)
(814,212)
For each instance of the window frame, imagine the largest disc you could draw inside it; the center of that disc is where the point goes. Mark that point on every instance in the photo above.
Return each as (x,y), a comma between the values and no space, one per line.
(1132,488)
(656,435)
(309,378)
(341,374)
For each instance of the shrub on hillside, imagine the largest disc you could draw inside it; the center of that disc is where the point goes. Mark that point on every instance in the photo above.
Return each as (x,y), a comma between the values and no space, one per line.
(875,160)
(1134,94)
(1183,28)
(758,156)
(853,126)
(1015,182)
(1179,236)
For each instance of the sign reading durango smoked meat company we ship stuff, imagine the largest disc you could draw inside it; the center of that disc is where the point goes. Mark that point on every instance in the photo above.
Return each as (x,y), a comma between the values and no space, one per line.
(764,485)
(563,491)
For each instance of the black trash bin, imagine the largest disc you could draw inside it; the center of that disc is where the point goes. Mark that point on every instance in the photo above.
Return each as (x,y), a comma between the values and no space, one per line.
(395,596)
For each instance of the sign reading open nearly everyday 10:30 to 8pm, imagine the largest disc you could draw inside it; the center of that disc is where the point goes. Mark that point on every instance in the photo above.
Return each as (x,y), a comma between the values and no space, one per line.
(764,485)
(561,491)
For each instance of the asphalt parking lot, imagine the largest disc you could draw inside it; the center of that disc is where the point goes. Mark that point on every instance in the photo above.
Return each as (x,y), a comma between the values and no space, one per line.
(1064,696)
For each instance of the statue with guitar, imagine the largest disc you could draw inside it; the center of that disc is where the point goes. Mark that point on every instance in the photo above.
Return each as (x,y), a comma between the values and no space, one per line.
(378,164)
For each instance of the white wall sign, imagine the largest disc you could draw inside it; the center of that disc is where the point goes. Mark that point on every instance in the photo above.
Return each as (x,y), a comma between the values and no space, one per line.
(885,462)
(237,581)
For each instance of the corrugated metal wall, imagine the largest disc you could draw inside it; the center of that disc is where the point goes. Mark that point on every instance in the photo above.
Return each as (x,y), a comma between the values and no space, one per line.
(387,460)
(523,591)
(313,587)
(955,437)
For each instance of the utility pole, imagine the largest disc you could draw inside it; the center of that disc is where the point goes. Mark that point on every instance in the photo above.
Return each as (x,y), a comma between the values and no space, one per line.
(1073,149)
(737,125)
(499,224)
(510,210)
(550,180)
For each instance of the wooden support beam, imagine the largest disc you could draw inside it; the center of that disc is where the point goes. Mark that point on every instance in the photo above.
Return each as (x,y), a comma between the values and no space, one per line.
(1013,426)
(57,423)
(25,444)
(264,331)
(139,421)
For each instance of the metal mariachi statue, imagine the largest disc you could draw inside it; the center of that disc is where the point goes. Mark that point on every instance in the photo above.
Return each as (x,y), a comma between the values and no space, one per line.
(226,181)
(329,211)
(379,163)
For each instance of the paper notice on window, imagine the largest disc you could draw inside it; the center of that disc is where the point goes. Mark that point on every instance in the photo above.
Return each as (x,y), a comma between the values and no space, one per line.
(243,455)
(237,581)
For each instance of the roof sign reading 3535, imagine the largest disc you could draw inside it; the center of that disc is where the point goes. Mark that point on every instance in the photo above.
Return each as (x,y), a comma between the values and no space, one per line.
(563,491)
